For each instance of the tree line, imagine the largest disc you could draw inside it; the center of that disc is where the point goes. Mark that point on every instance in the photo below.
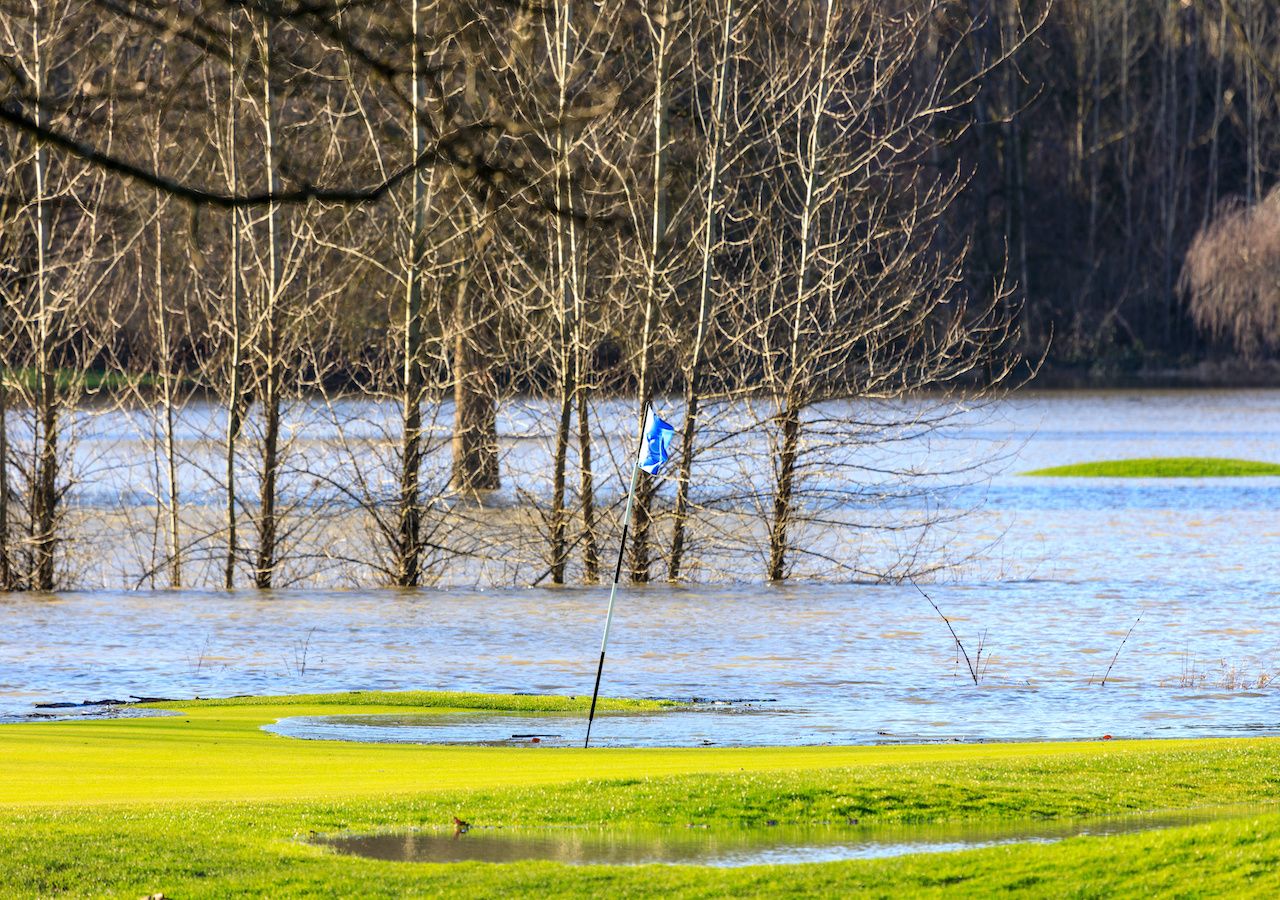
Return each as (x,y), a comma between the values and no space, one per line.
(252,229)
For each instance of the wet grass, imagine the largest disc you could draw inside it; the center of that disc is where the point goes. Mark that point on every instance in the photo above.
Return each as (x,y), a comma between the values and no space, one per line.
(1163,467)
(207,804)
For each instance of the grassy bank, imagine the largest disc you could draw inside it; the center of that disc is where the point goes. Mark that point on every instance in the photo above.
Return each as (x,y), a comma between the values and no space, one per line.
(86,380)
(1163,467)
(207,804)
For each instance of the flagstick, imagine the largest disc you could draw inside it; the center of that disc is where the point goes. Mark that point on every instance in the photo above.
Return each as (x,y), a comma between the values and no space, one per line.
(613,592)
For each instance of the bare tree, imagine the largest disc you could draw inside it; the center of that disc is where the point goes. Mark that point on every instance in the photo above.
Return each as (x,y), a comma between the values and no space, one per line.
(855,297)
(578,39)
(51,334)
(717,139)
(1232,275)
(665,23)
(235,365)
(409,536)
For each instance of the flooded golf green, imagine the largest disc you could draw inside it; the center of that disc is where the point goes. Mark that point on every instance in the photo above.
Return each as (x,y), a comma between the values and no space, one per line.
(1158,586)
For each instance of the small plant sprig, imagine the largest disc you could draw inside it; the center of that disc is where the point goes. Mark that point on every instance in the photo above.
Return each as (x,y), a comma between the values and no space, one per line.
(195,664)
(300,651)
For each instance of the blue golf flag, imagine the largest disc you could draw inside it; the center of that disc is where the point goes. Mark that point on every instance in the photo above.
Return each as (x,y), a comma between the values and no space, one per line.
(654,453)
(657,443)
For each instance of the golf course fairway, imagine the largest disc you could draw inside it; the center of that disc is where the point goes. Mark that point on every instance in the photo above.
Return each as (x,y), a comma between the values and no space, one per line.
(206,804)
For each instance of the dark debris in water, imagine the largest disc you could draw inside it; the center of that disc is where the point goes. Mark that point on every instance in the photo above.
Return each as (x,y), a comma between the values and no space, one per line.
(106,701)
(106,708)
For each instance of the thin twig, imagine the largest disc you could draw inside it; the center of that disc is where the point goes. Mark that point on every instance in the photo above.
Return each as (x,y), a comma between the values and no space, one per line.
(973,673)
(1118,649)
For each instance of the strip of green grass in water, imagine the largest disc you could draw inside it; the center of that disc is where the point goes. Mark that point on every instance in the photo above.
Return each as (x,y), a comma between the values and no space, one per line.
(434,700)
(207,804)
(1163,467)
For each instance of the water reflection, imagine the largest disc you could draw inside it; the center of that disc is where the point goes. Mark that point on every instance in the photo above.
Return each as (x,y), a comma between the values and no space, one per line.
(738,847)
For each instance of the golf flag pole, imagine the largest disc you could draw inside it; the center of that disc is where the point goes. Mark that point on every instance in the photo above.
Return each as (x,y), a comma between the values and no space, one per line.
(653,453)
(613,593)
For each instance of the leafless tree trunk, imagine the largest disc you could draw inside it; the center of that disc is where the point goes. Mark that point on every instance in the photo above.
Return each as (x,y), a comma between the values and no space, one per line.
(1211,186)
(409,563)
(45,497)
(235,363)
(565,286)
(9,223)
(662,21)
(710,238)
(7,581)
(586,478)
(819,79)
(475,429)
(1013,153)
(269,348)
(165,355)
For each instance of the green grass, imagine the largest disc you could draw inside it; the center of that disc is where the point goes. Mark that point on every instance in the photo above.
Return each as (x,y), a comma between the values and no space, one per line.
(89,380)
(207,804)
(1163,467)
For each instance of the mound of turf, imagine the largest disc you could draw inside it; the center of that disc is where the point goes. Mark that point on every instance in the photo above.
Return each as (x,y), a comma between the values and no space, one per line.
(1164,467)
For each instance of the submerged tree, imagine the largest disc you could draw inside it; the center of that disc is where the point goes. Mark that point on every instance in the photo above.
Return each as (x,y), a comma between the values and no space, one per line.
(723,68)
(367,231)
(408,539)
(851,294)
(53,324)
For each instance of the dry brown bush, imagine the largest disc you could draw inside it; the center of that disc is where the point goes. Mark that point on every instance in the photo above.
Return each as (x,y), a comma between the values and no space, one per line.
(1232,276)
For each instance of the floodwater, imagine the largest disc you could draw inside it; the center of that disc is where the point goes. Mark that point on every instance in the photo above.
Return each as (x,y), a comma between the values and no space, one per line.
(737,724)
(1057,572)
(727,847)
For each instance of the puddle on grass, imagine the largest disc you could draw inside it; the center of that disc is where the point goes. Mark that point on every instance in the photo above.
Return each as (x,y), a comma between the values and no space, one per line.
(726,847)
(81,711)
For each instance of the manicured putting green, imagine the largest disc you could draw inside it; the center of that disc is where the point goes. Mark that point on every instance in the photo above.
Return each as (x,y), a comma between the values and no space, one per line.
(1164,467)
